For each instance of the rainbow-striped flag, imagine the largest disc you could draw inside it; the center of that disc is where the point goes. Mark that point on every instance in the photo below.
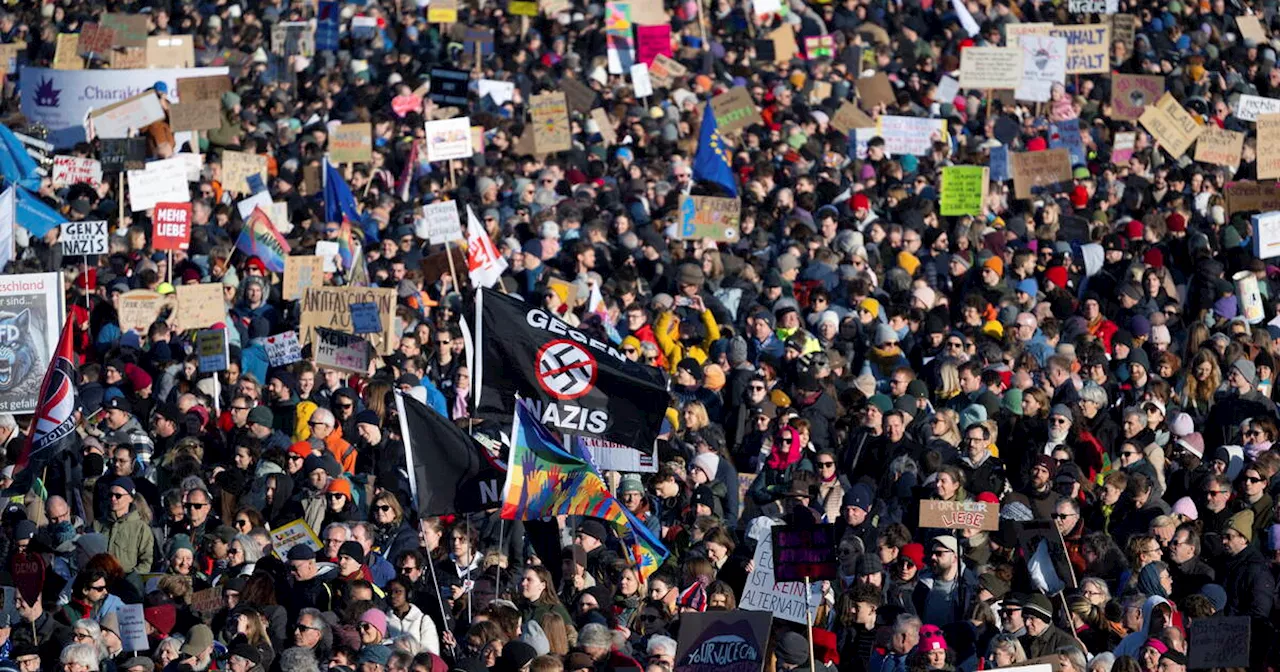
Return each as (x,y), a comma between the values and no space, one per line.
(259,238)
(347,245)
(544,480)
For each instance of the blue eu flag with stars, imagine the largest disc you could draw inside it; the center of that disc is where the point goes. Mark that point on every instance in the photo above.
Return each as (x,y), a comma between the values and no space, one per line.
(711,163)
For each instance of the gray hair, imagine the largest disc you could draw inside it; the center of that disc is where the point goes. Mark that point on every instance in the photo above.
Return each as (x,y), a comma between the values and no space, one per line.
(7,421)
(80,654)
(406,644)
(317,620)
(298,659)
(595,635)
(1009,644)
(323,415)
(1136,411)
(346,530)
(1102,662)
(1095,393)
(252,549)
(94,630)
(171,644)
(906,622)
(661,644)
(1075,655)
(1098,583)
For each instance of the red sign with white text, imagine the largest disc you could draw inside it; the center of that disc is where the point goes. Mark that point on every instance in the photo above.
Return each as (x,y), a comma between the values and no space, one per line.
(171,226)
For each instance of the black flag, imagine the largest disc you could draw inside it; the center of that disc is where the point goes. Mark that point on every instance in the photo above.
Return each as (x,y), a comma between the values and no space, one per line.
(452,472)
(577,384)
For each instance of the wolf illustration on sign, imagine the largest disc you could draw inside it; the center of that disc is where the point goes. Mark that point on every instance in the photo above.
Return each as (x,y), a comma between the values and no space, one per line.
(17,351)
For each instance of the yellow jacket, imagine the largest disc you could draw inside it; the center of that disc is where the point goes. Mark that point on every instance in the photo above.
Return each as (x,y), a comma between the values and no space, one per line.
(668,335)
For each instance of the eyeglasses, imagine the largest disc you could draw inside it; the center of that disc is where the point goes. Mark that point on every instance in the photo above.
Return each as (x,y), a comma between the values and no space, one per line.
(1061,516)
(119,495)
(382,508)
(1127,453)
(100,588)
(1059,421)
(234,551)
(1254,479)
(194,505)
(315,423)
(343,406)
(243,523)
(304,627)
(239,408)
(1213,493)
(408,569)
(825,465)
(955,344)
(336,495)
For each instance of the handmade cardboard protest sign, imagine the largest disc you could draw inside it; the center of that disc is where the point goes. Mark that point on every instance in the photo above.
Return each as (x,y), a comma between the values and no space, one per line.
(283,349)
(301,272)
(200,306)
(69,170)
(784,599)
(130,29)
(198,115)
(344,352)
(1131,94)
(296,533)
(983,516)
(1172,126)
(1044,63)
(1218,146)
(1248,196)
(170,51)
(119,154)
(364,318)
(449,139)
(118,120)
(94,38)
(734,110)
(1251,28)
(140,308)
(805,552)
(910,135)
(848,117)
(723,641)
(351,143)
(1088,47)
(663,70)
(440,223)
(237,167)
(212,87)
(709,217)
(579,96)
(65,56)
(1268,146)
(1249,106)
(1123,29)
(148,187)
(84,238)
(328,307)
(1066,134)
(28,572)
(211,350)
(875,90)
(785,47)
(1266,236)
(209,600)
(990,67)
(550,123)
(1036,173)
(1218,641)
(133,628)
(964,190)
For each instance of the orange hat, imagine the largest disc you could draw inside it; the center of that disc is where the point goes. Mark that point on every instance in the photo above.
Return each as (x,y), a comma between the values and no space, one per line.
(301,449)
(340,485)
(908,262)
(996,264)
(703,82)
(713,377)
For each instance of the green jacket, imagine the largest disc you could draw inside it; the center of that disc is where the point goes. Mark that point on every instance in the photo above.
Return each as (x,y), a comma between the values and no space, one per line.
(130,540)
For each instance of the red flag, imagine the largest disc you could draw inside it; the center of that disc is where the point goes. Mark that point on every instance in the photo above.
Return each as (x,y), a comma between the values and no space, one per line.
(54,424)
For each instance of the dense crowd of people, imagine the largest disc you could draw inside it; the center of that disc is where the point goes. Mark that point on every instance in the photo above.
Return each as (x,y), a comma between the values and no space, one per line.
(1081,362)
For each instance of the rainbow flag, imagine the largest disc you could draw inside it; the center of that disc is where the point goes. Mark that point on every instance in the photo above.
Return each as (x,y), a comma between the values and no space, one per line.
(544,480)
(347,245)
(259,238)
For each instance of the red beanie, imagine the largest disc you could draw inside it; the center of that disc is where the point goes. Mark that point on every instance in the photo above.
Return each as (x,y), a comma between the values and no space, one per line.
(1056,275)
(1134,229)
(1036,144)
(1176,222)
(1080,197)
(1153,258)
(914,552)
(861,202)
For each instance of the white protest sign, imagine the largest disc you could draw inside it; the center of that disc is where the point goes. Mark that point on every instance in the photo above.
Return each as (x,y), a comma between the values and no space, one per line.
(69,170)
(293,534)
(609,456)
(1044,63)
(786,599)
(948,89)
(328,251)
(342,351)
(133,628)
(148,187)
(762,7)
(118,119)
(449,139)
(910,135)
(183,163)
(283,348)
(440,223)
(262,199)
(501,92)
(1249,106)
(82,238)
(640,81)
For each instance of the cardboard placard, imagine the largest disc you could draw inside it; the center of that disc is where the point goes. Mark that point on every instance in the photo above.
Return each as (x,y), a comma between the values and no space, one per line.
(1066,134)
(1088,47)
(640,83)
(875,90)
(118,120)
(1251,28)
(237,167)
(344,352)
(551,132)
(364,318)
(283,349)
(1249,106)
(709,217)
(200,306)
(403,105)
(522,8)
(203,88)
(1218,641)
(718,641)
(171,226)
(65,56)
(964,190)
(1218,146)
(148,187)
(440,223)
(1036,173)
(84,238)
(327,307)
(581,98)
(130,29)
(1248,196)
(607,131)
(351,143)
(435,266)
(1123,29)
(211,350)
(648,13)
(207,601)
(28,571)
(293,534)
(784,599)
(801,552)
(293,38)
(95,39)
(301,272)
(663,71)
(784,44)
(735,110)
(69,170)
(1173,127)
(849,117)
(936,513)
(652,41)
(449,139)
(499,92)
(1131,94)
(1044,63)
(120,154)
(449,86)
(140,308)
(198,115)
(990,68)
(1268,146)
(171,51)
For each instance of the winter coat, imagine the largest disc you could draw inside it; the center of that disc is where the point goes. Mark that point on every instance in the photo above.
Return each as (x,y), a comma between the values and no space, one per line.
(417,624)
(130,540)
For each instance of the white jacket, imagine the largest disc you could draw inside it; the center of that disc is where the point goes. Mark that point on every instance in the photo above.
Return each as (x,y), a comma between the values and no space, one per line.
(417,624)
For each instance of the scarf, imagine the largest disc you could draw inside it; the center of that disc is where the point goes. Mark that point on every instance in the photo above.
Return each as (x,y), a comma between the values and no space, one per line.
(460,409)
(778,460)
